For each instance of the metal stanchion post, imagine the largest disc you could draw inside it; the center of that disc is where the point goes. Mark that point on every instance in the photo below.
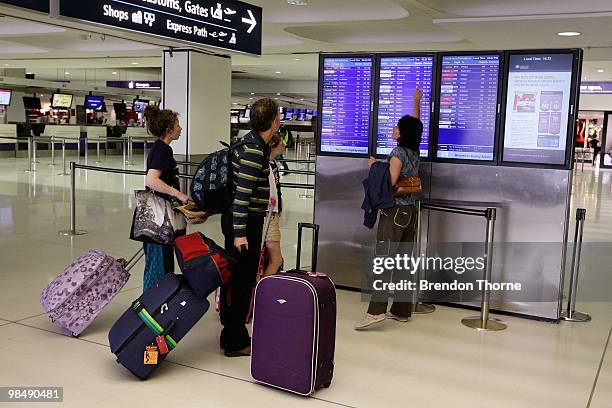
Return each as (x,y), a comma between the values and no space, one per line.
(418,307)
(86,147)
(571,315)
(52,151)
(123,148)
(98,152)
(30,169)
(306,195)
(34,143)
(144,153)
(63,173)
(72,231)
(484,322)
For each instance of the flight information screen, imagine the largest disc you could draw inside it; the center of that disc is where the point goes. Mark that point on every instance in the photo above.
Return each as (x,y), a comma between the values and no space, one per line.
(537,108)
(399,76)
(346,101)
(468,106)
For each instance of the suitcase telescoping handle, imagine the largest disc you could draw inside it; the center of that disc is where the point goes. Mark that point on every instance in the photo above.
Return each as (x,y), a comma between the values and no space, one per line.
(134,260)
(315,244)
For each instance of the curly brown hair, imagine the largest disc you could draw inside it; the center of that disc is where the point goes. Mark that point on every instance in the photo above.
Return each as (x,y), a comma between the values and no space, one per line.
(275,140)
(263,114)
(160,121)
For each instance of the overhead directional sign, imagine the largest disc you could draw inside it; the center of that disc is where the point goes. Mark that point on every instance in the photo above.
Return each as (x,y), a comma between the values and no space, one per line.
(38,5)
(228,24)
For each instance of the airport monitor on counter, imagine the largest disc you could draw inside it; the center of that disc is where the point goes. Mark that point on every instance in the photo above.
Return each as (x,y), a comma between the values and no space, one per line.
(139,105)
(31,102)
(95,102)
(61,101)
(5,96)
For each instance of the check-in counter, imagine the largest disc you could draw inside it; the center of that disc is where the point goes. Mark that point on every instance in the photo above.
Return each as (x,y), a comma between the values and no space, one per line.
(137,132)
(94,132)
(8,133)
(63,131)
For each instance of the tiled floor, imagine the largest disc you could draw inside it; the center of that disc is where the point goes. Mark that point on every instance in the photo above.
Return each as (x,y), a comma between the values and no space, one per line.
(432,361)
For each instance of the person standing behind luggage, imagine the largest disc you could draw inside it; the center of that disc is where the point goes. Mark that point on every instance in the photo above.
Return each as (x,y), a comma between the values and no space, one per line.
(273,236)
(242,224)
(397,224)
(287,139)
(162,177)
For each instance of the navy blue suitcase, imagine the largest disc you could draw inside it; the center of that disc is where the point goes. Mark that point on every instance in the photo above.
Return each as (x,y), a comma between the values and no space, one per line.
(167,310)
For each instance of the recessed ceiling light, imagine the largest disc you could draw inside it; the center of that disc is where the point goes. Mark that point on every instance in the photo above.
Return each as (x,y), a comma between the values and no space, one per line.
(297,2)
(114,72)
(251,98)
(276,99)
(569,33)
(252,93)
(29,73)
(278,93)
(135,63)
(7,65)
(278,72)
(600,70)
(297,59)
(301,99)
(66,73)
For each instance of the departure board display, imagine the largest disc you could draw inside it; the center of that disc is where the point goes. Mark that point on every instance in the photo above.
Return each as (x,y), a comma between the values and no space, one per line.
(399,76)
(468,106)
(537,108)
(345,105)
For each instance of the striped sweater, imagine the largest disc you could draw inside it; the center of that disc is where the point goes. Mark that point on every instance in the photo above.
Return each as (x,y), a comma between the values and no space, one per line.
(252,187)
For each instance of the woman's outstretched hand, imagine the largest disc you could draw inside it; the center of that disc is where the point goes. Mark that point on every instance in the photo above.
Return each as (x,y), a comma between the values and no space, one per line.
(418,94)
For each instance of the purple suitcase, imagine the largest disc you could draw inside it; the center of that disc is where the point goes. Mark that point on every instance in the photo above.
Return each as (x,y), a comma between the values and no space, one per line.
(294,328)
(75,298)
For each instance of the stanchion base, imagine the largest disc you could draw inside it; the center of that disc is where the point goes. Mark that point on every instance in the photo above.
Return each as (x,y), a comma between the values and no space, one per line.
(474,322)
(29,171)
(52,165)
(69,233)
(306,196)
(423,308)
(63,174)
(576,317)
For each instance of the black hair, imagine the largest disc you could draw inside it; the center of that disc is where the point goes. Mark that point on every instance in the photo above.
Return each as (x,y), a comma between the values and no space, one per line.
(411,131)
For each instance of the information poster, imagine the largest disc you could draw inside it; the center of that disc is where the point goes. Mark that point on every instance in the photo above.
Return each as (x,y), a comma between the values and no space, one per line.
(468,107)
(399,76)
(537,108)
(345,107)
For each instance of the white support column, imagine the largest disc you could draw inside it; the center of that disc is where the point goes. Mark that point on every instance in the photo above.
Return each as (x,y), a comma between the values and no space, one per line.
(198,87)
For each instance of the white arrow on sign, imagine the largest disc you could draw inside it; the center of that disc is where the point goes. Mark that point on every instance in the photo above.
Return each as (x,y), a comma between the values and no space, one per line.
(251,20)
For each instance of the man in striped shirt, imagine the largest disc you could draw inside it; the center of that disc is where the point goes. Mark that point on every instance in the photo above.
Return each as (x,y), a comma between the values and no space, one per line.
(242,224)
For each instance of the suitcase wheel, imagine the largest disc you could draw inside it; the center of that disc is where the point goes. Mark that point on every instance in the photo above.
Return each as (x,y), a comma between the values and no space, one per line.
(326,385)
(74,334)
(52,321)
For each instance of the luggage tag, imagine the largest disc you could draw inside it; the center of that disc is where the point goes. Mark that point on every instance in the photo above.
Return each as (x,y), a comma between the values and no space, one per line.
(162,345)
(150,355)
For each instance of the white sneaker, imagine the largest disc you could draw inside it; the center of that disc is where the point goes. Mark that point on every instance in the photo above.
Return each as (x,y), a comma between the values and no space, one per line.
(402,319)
(369,320)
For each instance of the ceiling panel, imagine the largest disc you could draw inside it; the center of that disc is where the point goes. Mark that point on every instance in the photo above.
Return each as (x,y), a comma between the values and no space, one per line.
(375,34)
(482,8)
(318,11)
(13,27)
